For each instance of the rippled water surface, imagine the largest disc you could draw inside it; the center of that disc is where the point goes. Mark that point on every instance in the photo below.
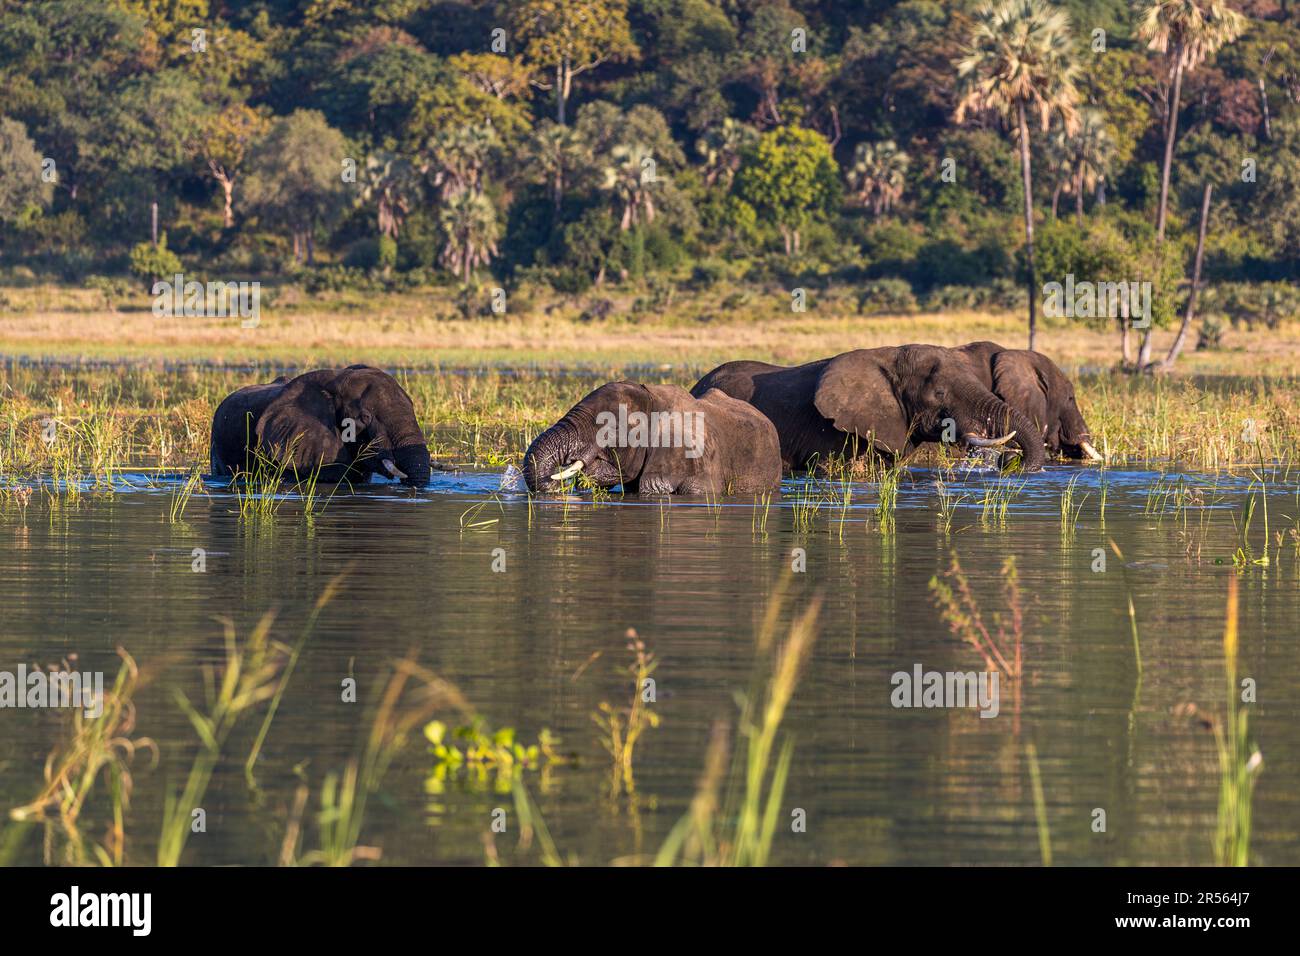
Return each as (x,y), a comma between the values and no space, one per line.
(540,644)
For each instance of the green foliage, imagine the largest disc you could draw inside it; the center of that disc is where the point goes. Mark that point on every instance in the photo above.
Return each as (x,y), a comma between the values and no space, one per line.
(150,262)
(242,148)
(789,177)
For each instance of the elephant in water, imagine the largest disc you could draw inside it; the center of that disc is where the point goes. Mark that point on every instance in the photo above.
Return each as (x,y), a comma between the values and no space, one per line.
(348,423)
(1031,383)
(658,440)
(889,400)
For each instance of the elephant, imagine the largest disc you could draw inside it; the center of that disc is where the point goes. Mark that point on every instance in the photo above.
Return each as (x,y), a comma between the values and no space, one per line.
(889,400)
(658,440)
(1033,384)
(349,423)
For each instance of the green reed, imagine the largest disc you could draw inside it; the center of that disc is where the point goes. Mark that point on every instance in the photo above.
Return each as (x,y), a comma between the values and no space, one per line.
(738,829)
(1240,761)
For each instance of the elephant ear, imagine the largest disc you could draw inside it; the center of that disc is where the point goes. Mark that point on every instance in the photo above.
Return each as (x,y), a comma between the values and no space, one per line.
(298,427)
(858,394)
(1018,381)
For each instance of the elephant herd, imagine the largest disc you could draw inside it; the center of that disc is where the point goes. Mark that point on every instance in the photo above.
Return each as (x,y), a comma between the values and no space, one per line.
(734,432)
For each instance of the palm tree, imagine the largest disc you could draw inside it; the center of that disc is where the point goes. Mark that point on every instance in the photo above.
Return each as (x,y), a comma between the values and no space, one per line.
(629,179)
(721,148)
(1186,32)
(469,224)
(392,184)
(458,157)
(556,151)
(1090,152)
(877,175)
(1020,60)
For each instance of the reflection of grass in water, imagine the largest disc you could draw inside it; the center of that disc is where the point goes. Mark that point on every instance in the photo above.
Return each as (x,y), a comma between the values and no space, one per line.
(1244,557)
(1040,806)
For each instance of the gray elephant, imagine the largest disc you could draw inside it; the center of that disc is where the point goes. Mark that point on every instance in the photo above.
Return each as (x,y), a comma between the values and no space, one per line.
(1032,383)
(887,400)
(338,423)
(658,440)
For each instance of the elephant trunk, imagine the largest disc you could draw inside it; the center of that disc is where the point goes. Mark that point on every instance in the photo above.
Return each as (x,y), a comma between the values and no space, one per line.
(553,451)
(998,419)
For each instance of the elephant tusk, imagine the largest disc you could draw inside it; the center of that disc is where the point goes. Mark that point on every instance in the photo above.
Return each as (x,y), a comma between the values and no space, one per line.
(990,442)
(569,472)
(393,470)
(1091,452)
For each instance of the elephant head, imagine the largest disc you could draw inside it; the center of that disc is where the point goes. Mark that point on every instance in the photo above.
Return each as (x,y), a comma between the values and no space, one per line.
(900,397)
(348,422)
(581,443)
(1032,383)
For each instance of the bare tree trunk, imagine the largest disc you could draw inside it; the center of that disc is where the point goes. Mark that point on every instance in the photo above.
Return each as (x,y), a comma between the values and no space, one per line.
(1190,312)
(1056,197)
(561,94)
(1027,177)
(1078,195)
(1263,102)
(1171,130)
(228,191)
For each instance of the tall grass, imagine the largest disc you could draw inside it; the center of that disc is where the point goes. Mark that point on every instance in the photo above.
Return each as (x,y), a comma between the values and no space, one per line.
(739,829)
(1239,760)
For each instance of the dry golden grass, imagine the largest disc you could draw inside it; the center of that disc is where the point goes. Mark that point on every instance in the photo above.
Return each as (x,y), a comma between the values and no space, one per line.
(418,329)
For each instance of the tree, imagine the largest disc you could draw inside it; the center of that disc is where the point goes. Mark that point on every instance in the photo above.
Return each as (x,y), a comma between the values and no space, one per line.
(570,37)
(469,227)
(1084,158)
(295,177)
(22,189)
(1186,32)
(1020,60)
(631,177)
(556,152)
(457,158)
(393,184)
(789,176)
(223,145)
(877,175)
(721,148)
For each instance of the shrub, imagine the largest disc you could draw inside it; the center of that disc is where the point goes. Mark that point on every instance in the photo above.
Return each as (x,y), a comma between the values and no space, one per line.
(150,262)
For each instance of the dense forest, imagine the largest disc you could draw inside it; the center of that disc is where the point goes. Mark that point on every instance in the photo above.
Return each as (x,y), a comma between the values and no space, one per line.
(587,142)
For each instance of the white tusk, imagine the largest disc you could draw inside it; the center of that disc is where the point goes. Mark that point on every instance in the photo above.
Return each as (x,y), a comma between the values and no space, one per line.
(569,472)
(990,442)
(393,470)
(1091,452)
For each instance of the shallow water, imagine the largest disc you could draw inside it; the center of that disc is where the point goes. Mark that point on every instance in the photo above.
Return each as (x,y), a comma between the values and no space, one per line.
(876,784)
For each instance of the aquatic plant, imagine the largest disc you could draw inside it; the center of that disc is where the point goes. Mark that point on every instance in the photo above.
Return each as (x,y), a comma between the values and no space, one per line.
(101,747)
(738,829)
(622,727)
